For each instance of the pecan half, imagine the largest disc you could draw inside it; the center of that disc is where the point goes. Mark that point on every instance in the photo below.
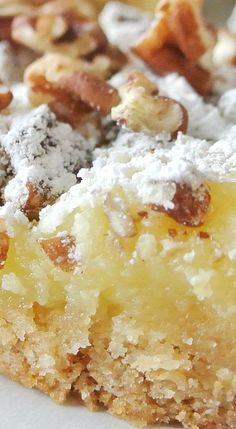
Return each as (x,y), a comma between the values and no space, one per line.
(190,206)
(179,41)
(61,251)
(143,110)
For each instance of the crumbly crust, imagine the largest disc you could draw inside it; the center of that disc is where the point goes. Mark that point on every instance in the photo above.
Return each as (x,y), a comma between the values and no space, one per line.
(97,380)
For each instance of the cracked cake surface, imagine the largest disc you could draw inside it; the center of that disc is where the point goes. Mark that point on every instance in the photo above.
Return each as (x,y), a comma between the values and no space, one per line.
(117,216)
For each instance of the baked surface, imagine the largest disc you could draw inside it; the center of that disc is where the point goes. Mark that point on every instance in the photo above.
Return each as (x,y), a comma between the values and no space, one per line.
(117,240)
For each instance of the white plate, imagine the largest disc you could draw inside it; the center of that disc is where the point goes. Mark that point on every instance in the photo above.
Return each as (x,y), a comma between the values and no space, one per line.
(23,408)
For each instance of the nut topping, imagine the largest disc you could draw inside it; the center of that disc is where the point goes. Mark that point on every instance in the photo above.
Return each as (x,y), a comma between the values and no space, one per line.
(67,33)
(161,114)
(179,41)
(61,251)
(92,90)
(71,91)
(190,206)
(37,199)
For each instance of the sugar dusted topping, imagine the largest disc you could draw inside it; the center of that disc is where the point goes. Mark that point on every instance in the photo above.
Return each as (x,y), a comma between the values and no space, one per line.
(44,152)
(39,150)
(227,105)
(148,168)
(205,119)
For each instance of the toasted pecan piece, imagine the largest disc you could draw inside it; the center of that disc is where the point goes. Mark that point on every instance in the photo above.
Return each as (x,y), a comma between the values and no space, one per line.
(188,30)
(71,88)
(6,96)
(61,251)
(143,110)
(92,90)
(65,107)
(179,41)
(170,59)
(190,205)
(67,33)
(37,199)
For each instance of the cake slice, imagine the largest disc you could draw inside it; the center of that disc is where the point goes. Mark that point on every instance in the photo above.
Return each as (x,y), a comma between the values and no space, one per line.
(123,295)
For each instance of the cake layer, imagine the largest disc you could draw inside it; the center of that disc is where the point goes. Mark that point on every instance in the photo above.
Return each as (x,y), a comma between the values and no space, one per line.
(113,301)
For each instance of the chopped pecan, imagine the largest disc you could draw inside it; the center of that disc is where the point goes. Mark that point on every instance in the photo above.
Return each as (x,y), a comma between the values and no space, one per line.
(69,28)
(71,111)
(169,60)
(6,96)
(143,110)
(4,247)
(91,90)
(71,91)
(190,206)
(187,29)
(61,251)
(179,41)
(66,108)
(37,199)
(67,33)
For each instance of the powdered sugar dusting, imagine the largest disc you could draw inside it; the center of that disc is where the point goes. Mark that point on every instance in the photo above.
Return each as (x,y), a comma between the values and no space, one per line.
(205,119)
(41,150)
(45,152)
(148,169)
